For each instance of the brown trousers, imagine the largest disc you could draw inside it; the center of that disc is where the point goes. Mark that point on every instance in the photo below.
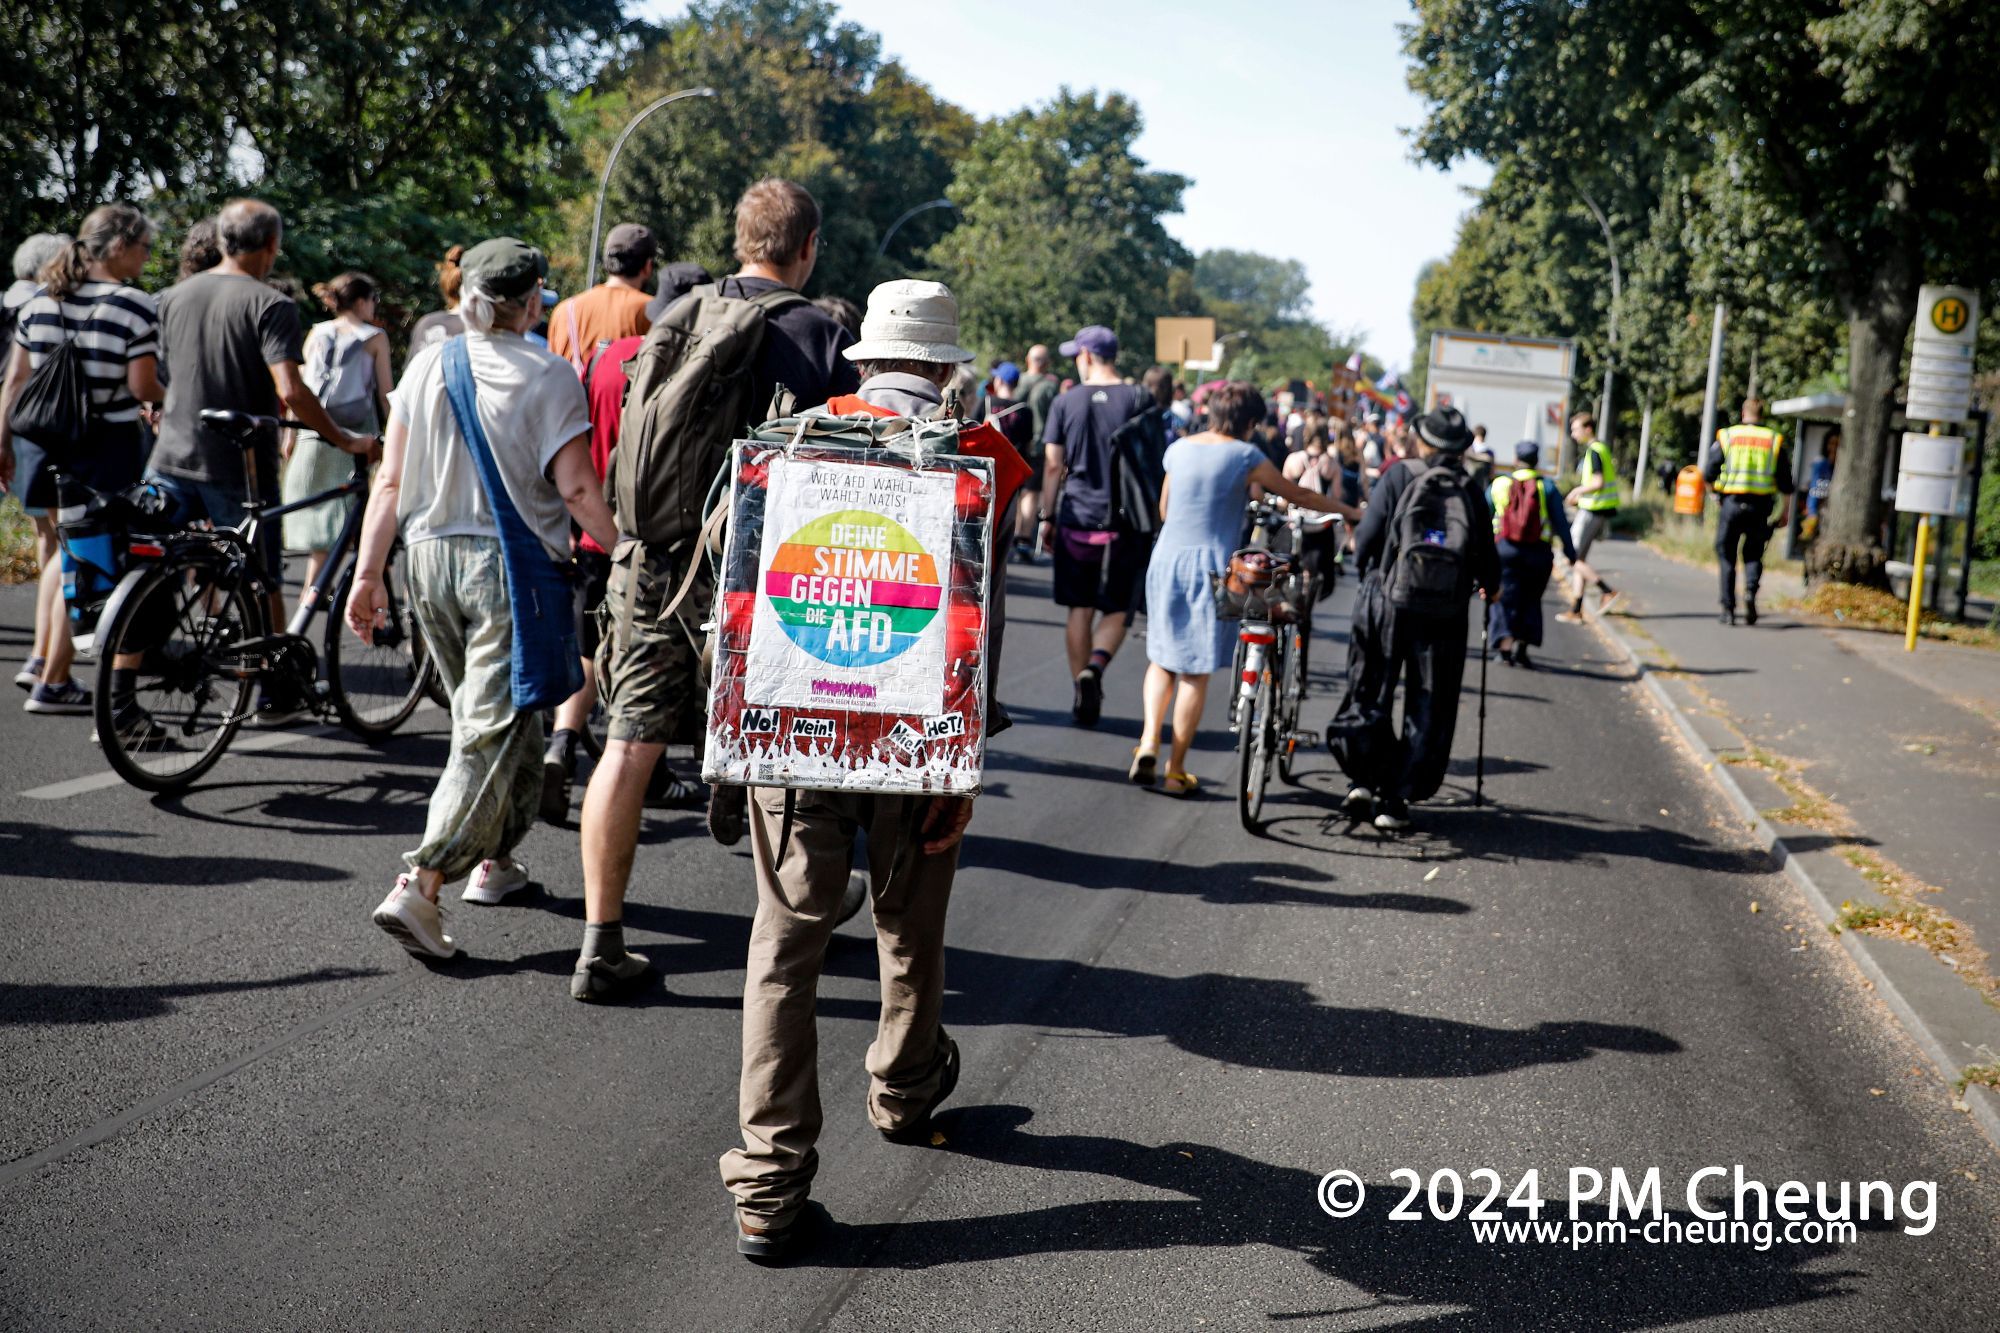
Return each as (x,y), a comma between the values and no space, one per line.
(798,897)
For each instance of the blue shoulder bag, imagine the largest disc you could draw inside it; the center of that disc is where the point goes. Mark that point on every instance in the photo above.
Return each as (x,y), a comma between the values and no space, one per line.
(547,662)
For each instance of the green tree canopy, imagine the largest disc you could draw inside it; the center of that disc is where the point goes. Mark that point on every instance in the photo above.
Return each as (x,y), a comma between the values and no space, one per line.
(1859,128)
(1062,226)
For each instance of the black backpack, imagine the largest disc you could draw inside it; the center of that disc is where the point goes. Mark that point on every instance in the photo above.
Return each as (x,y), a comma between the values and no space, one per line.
(1138,472)
(1427,570)
(53,408)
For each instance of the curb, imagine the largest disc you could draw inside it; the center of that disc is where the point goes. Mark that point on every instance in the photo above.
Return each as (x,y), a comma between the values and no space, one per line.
(1985,1111)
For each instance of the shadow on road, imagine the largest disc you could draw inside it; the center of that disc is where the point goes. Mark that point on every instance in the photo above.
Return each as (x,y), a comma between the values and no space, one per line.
(39,1004)
(45,851)
(1232,1200)
(1233,883)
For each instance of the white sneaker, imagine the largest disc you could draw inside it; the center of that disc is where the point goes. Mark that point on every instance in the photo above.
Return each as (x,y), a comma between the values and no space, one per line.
(1358,799)
(415,921)
(493,881)
(1391,823)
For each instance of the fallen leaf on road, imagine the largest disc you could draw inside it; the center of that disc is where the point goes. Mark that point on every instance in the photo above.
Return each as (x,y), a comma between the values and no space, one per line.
(1663,810)
(1433,875)
(937,1138)
(1756,907)
(1972,1176)
(1874,1092)
(1188,1155)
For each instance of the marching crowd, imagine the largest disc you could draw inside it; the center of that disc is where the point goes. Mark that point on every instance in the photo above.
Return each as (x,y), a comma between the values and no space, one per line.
(508,447)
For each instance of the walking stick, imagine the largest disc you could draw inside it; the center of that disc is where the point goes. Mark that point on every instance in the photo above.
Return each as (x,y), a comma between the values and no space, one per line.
(1485,652)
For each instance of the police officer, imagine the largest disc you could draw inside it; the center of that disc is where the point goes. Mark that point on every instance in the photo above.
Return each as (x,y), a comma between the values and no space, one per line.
(1749,467)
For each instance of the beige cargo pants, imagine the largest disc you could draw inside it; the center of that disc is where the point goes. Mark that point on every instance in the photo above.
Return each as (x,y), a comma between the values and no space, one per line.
(798,898)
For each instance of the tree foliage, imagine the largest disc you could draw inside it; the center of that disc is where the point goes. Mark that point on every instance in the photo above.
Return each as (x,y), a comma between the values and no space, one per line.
(1062,226)
(1835,152)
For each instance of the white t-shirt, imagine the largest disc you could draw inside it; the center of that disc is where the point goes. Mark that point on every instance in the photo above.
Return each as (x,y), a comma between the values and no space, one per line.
(530,405)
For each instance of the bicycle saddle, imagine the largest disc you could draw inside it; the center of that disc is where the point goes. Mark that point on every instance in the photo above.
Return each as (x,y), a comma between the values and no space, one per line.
(240,424)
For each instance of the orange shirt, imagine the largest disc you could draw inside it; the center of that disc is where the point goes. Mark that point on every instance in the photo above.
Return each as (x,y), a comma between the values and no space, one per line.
(598,317)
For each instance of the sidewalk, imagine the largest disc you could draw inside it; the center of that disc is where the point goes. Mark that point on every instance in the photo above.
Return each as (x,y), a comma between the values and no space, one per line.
(1874,773)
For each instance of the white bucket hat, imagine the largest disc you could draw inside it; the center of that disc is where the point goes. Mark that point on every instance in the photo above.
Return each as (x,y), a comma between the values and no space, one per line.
(910,320)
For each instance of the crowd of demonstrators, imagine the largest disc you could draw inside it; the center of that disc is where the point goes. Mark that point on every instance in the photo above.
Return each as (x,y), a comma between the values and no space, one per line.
(1528,518)
(1099,570)
(1406,629)
(1208,482)
(1749,465)
(527,410)
(85,296)
(1595,499)
(347,368)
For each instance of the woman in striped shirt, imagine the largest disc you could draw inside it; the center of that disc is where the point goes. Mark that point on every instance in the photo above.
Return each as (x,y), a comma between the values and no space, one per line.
(86,296)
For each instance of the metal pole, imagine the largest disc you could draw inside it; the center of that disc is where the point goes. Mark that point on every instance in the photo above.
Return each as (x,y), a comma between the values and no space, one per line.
(597,217)
(1645,438)
(1714,386)
(1611,339)
(883,249)
(1964,590)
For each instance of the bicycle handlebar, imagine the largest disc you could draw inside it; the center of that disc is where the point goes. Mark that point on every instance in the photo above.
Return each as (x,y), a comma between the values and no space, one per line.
(244,424)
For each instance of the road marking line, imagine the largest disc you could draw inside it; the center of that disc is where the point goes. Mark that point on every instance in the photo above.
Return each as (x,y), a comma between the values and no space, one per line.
(118,1124)
(263,740)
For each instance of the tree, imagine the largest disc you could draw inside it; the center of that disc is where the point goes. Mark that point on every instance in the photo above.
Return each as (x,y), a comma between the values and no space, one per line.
(803,95)
(1864,124)
(1061,226)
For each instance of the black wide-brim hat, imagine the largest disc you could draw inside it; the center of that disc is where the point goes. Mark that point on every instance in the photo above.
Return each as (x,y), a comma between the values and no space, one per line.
(1445,430)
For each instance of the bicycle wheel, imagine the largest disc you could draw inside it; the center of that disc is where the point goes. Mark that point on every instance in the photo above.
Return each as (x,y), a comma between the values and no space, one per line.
(1255,727)
(1291,696)
(376,686)
(190,691)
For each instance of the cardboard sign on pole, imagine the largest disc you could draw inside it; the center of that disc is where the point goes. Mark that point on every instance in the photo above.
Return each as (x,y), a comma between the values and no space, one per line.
(1177,340)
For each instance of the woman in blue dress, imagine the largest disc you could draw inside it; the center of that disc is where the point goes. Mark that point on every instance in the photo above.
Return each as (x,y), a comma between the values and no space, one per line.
(1209,477)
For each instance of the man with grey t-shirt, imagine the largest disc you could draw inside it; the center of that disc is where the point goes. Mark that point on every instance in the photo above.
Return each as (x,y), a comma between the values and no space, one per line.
(230,341)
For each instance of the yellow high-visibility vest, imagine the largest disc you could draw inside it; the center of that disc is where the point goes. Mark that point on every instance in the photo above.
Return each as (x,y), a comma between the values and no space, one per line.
(1605,497)
(1749,460)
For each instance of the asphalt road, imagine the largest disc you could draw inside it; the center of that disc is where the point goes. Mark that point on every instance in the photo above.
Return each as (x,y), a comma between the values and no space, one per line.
(231,1102)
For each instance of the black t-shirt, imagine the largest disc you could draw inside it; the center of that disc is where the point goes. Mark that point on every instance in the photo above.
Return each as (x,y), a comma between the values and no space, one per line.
(219,335)
(802,350)
(1082,421)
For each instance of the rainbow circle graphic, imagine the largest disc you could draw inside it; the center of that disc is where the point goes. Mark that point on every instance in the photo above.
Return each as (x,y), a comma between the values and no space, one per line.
(853,589)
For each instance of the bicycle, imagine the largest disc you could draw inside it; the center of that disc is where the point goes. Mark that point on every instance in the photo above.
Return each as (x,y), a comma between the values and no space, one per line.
(192,628)
(1269,681)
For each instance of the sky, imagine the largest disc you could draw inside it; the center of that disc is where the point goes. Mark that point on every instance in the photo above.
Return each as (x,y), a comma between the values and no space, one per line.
(1288,115)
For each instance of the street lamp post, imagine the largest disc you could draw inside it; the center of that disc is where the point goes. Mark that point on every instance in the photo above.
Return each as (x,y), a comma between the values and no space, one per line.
(597,218)
(1611,339)
(882,250)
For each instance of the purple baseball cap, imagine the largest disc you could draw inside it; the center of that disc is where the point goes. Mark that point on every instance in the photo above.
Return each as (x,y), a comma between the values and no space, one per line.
(1095,339)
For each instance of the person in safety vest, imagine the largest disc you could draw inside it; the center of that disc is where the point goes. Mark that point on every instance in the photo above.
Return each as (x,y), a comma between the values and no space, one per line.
(1595,498)
(1524,526)
(803,845)
(1749,466)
